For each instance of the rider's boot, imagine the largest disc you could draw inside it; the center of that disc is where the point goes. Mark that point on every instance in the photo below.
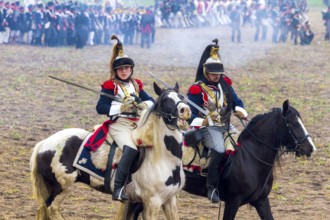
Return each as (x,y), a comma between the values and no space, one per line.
(122,172)
(213,175)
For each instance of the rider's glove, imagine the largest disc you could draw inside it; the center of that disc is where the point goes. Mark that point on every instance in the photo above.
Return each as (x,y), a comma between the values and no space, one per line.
(215,117)
(142,106)
(240,113)
(128,106)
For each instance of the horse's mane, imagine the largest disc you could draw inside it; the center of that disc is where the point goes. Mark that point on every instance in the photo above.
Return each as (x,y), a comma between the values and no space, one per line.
(149,127)
(260,117)
(153,109)
(255,121)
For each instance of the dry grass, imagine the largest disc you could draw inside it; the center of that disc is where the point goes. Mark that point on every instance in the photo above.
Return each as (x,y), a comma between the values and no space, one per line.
(35,106)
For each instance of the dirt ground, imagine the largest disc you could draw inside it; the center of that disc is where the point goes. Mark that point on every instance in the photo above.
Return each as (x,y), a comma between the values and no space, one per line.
(34,106)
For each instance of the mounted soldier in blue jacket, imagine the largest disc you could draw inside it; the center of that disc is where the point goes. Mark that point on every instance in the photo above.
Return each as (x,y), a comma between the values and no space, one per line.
(213,92)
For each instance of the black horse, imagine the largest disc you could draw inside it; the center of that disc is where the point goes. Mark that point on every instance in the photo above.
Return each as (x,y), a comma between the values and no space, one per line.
(251,176)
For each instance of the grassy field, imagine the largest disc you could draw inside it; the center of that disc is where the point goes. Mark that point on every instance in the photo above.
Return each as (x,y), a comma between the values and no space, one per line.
(33,107)
(315,3)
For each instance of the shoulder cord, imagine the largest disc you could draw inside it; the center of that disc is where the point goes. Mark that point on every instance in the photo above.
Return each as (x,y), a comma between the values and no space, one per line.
(212,95)
(124,89)
(208,91)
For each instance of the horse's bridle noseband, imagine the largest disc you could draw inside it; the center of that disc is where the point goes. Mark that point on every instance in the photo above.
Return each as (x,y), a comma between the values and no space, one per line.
(287,126)
(298,142)
(168,116)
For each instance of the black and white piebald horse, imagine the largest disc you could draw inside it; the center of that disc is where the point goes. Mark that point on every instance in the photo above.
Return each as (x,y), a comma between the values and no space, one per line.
(251,177)
(155,184)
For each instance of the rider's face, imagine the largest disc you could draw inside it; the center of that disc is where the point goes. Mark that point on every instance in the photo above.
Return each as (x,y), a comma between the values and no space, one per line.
(124,72)
(214,77)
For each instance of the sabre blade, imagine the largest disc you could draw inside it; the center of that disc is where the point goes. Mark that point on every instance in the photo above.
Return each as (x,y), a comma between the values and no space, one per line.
(88,89)
(186,98)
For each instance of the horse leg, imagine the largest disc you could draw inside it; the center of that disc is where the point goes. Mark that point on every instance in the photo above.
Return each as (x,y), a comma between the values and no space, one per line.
(137,209)
(263,208)
(231,208)
(54,211)
(129,211)
(61,186)
(170,209)
(151,208)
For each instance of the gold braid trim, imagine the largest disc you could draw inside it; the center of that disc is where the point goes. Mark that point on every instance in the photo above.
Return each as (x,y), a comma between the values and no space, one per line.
(208,91)
(136,86)
(125,91)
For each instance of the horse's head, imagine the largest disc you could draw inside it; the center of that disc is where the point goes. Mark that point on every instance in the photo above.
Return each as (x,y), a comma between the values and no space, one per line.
(296,135)
(171,107)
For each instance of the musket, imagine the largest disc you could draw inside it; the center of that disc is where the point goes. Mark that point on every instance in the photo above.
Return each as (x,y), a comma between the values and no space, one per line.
(203,111)
(88,89)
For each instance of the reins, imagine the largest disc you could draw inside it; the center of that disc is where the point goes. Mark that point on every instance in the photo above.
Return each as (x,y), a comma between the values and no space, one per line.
(262,142)
(168,116)
(285,125)
(297,142)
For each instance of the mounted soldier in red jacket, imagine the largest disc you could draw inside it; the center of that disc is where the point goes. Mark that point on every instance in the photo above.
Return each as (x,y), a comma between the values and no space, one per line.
(124,115)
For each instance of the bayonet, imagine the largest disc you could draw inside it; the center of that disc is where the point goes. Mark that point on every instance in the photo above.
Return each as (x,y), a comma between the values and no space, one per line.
(88,89)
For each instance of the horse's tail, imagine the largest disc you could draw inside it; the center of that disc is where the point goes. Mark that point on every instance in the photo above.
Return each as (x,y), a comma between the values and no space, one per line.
(40,190)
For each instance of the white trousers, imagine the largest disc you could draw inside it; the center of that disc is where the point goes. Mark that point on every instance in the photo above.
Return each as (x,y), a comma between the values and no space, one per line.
(6,35)
(90,40)
(121,132)
(2,34)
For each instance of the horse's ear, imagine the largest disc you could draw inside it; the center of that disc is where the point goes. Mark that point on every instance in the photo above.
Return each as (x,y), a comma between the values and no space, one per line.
(157,89)
(286,106)
(176,87)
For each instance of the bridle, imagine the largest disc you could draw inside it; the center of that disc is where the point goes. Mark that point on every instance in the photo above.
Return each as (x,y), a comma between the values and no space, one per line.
(298,142)
(168,116)
(286,125)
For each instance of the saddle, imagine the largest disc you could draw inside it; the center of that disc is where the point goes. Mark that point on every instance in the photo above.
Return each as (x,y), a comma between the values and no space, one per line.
(196,156)
(99,156)
(195,168)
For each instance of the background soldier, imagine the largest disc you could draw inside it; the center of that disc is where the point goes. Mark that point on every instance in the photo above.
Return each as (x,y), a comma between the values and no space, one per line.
(92,26)
(21,24)
(12,19)
(235,18)
(261,23)
(285,22)
(147,21)
(306,34)
(2,18)
(295,27)
(38,25)
(70,31)
(6,9)
(61,25)
(129,24)
(50,31)
(247,13)
(275,16)
(82,27)
(28,16)
(107,25)
(326,19)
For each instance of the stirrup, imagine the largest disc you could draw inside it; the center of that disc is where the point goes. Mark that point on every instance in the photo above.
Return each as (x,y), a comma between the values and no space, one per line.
(122,197)
(214,196)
